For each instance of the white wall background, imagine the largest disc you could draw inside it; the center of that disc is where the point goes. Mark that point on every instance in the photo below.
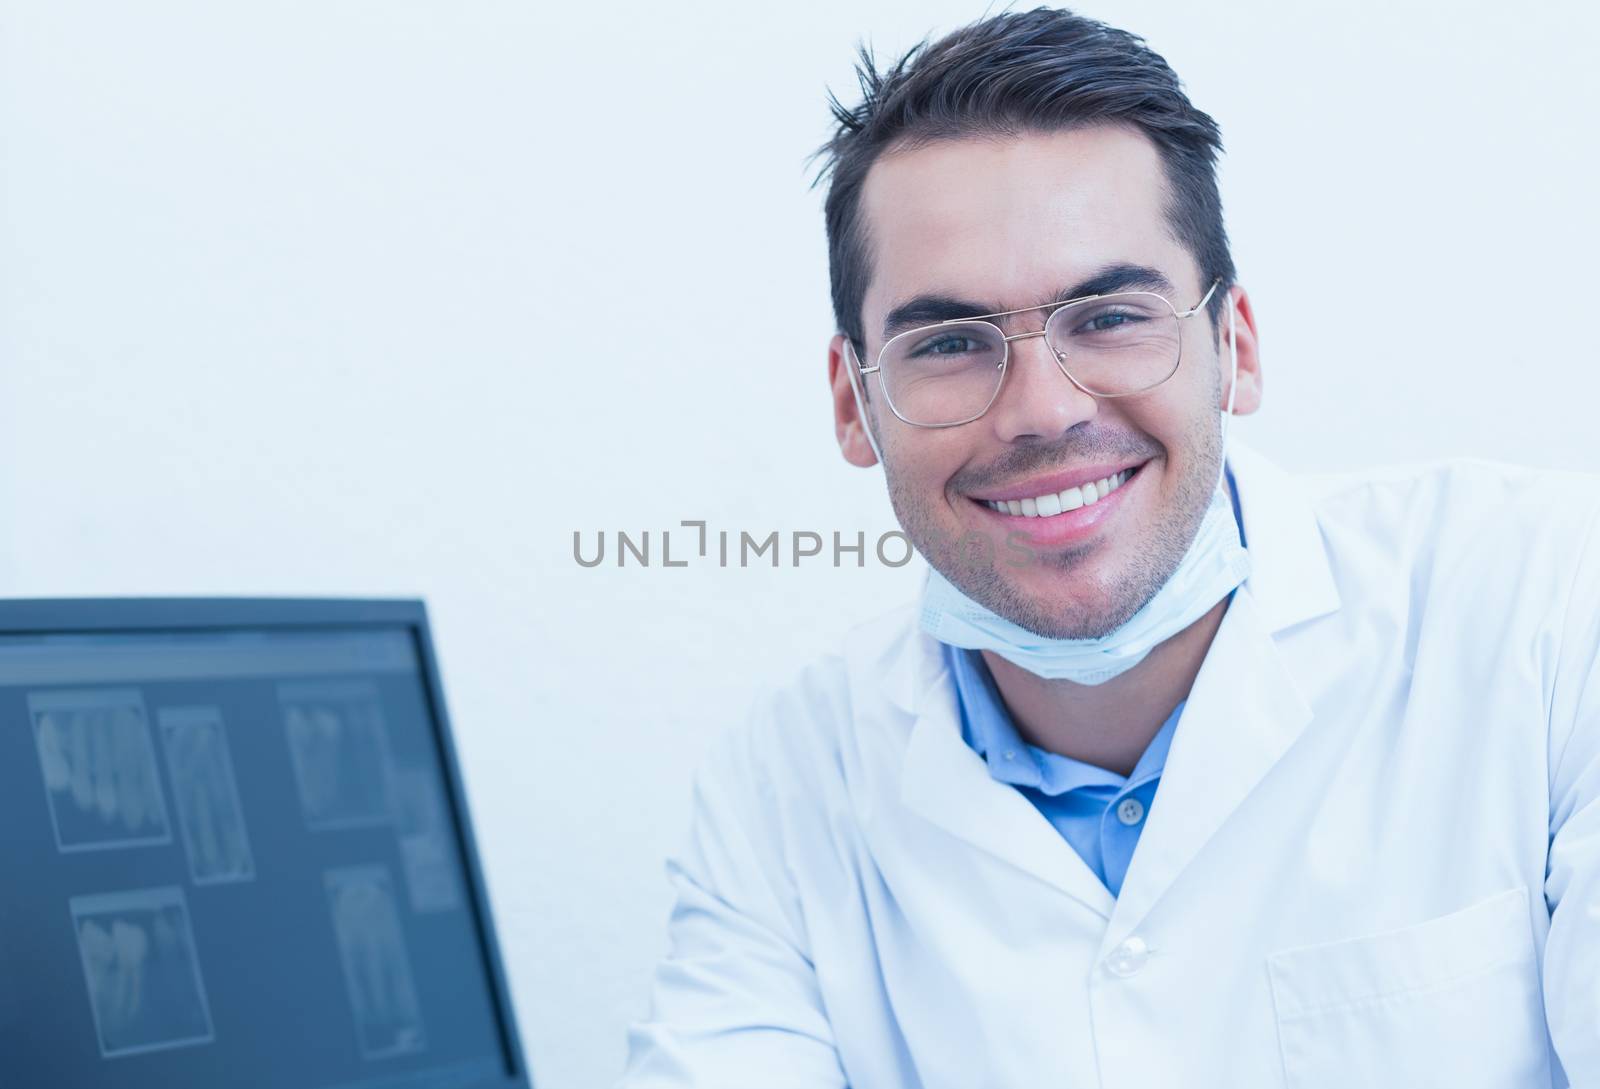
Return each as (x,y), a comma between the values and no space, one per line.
(391,297)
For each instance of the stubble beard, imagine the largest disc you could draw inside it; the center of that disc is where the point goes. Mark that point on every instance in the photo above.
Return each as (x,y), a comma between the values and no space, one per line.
(1131,577)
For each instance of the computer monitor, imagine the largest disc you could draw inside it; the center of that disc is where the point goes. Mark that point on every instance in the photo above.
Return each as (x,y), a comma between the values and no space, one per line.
(236,853)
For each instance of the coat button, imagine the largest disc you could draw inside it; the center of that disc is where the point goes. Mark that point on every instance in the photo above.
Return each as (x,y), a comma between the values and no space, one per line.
(1127,959)
(1130,811)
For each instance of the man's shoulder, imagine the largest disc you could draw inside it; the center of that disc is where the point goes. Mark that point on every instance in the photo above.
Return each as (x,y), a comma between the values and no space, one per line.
(810,721)
(1461,475)
(1470,535)
(1458,501)
(870,653)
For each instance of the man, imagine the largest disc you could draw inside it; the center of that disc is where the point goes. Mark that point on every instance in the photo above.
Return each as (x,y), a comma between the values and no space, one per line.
(1182,772)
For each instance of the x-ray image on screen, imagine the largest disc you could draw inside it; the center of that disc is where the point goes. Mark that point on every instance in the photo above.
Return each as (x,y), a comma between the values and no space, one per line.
(340,748)
(425,848)
(99,768)
(141,969)
(377,966)
(206,794)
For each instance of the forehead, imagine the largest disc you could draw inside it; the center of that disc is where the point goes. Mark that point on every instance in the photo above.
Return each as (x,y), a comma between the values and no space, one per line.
(1008,221)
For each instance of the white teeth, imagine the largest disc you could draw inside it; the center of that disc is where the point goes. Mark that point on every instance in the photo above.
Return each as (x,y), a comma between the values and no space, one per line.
(1046,506)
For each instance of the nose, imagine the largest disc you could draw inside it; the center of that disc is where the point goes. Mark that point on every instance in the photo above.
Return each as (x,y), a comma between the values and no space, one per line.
(1037,399)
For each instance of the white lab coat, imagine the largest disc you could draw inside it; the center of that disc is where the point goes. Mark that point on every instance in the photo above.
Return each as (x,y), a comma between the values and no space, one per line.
(1373,860)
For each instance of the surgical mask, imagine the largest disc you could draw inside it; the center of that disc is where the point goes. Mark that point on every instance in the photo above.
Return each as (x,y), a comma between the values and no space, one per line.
(1215,564)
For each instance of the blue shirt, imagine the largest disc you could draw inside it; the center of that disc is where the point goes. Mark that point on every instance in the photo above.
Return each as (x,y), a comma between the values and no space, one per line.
(1097,811)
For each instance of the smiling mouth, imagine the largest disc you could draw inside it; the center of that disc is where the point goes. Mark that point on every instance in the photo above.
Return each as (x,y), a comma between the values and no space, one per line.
(1052,503)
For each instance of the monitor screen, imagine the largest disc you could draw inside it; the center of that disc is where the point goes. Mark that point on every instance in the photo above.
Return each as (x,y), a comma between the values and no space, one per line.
(238,857)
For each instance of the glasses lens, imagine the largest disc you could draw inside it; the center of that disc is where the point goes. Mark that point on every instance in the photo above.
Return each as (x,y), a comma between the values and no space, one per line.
(943,374)
(1116,344)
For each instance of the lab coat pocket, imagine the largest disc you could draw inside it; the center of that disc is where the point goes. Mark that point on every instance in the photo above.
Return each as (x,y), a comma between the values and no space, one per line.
(1454,1000)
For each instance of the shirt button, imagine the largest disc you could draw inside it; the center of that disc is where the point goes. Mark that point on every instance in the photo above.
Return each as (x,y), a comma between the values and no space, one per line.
(1130,811)
(1011,754)
(1127,959)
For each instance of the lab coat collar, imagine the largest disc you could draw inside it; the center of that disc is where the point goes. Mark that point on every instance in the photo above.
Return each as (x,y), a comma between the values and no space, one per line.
(1290,577)
(1242,714)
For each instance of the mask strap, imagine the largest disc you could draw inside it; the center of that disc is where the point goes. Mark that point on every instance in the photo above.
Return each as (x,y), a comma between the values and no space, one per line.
(853,365)
(1233,383)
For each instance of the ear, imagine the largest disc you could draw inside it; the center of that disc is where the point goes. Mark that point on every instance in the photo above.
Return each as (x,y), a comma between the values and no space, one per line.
(1247,395)
(848,425)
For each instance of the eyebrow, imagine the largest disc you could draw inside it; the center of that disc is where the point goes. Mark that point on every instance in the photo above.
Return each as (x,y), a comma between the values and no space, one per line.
(931,309)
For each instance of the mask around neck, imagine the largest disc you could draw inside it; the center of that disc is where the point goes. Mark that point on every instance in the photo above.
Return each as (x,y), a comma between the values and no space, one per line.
(1215,564)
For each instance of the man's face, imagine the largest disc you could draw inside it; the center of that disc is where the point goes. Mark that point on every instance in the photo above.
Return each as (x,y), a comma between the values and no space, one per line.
(1003,223)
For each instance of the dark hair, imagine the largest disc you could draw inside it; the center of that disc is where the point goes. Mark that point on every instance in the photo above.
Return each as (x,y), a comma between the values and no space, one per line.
(1046,69)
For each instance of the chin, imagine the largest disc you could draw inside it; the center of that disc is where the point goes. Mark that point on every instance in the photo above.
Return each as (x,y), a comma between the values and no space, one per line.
(1083,609)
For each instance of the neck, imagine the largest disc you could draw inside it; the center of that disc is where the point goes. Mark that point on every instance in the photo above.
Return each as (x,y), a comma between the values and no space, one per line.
(1108,725)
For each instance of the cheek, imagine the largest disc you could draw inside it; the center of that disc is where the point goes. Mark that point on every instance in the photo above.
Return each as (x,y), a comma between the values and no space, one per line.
(922,468)
(1180,413)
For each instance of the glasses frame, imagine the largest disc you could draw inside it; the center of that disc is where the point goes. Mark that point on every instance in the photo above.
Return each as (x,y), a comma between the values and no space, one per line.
(1053,307)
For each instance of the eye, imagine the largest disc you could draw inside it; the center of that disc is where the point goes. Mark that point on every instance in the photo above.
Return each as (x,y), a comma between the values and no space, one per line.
(1106,321)
(948,344)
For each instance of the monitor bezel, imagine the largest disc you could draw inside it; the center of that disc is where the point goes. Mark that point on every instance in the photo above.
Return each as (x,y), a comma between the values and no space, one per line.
(169,615)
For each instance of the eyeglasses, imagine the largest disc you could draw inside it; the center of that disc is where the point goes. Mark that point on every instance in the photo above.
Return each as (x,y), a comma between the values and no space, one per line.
(1114,345)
